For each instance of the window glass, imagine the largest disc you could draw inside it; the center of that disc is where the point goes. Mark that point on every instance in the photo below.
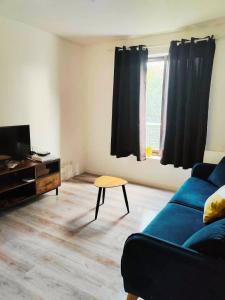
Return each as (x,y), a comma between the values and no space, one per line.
(155,83)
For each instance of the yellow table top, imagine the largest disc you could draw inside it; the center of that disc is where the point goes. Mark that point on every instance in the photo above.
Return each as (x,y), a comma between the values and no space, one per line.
(109,182)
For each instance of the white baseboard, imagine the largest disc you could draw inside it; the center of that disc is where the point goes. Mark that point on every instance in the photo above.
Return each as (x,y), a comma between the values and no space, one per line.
(70,169)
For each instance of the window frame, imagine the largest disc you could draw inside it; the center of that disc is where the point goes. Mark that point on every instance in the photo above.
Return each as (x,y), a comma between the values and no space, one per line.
(155,58)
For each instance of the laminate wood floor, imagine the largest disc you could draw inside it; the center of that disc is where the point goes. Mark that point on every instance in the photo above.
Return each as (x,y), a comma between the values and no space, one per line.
(52,249)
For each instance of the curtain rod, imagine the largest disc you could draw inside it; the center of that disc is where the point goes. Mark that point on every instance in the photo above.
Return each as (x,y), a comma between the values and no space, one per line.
(196,40)
(186,41)
(166,45)
(179,42)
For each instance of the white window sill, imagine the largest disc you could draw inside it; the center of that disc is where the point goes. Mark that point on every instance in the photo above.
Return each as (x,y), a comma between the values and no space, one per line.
(154,156)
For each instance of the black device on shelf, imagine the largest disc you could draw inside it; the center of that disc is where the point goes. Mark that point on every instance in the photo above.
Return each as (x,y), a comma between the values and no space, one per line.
(15,141)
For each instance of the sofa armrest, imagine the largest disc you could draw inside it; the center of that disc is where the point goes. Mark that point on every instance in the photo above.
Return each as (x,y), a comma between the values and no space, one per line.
(202,170)
(153,269)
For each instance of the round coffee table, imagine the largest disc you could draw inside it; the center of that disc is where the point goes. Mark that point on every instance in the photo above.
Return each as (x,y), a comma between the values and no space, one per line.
(105,182)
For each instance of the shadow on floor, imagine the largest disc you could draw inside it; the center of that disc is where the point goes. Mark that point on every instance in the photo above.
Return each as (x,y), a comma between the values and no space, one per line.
(99,229)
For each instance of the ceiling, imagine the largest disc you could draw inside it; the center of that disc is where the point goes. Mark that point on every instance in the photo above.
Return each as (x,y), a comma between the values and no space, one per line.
(86,20)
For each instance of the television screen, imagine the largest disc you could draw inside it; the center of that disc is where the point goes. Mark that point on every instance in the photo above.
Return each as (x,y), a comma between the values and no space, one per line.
(15,141)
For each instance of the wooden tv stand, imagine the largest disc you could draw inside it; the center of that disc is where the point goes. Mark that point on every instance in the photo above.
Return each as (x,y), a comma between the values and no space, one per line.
(15,188)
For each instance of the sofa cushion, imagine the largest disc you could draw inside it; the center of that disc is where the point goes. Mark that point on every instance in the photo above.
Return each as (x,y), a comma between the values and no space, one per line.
(175,223)
(217,176)
(194,192)
(209,240)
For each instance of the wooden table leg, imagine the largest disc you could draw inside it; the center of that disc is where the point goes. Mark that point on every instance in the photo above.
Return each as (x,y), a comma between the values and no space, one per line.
(98,203)
(125,197)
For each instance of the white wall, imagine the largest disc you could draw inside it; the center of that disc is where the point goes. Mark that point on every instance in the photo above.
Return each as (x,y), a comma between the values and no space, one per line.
(39,85)
(97,86)
(71,125)
(64,92)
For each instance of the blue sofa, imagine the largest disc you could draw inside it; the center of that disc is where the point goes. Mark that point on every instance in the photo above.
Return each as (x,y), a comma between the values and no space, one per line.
(156,264)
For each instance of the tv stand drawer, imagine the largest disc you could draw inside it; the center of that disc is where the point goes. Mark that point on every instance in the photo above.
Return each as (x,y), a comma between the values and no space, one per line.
(47,183)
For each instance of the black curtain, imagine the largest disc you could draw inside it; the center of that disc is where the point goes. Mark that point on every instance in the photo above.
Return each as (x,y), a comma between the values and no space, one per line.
(190,68)
(128,114)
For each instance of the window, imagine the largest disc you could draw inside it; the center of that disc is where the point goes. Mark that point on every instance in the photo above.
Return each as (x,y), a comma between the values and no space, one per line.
(156,73)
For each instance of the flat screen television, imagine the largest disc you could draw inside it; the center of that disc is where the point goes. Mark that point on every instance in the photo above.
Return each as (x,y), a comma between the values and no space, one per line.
(15,141)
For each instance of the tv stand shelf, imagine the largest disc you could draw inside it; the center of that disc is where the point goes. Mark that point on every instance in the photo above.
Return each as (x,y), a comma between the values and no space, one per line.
(42,178)
(14,185)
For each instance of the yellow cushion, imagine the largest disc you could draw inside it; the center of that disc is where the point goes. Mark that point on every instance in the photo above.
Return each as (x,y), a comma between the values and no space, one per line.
(215,206)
